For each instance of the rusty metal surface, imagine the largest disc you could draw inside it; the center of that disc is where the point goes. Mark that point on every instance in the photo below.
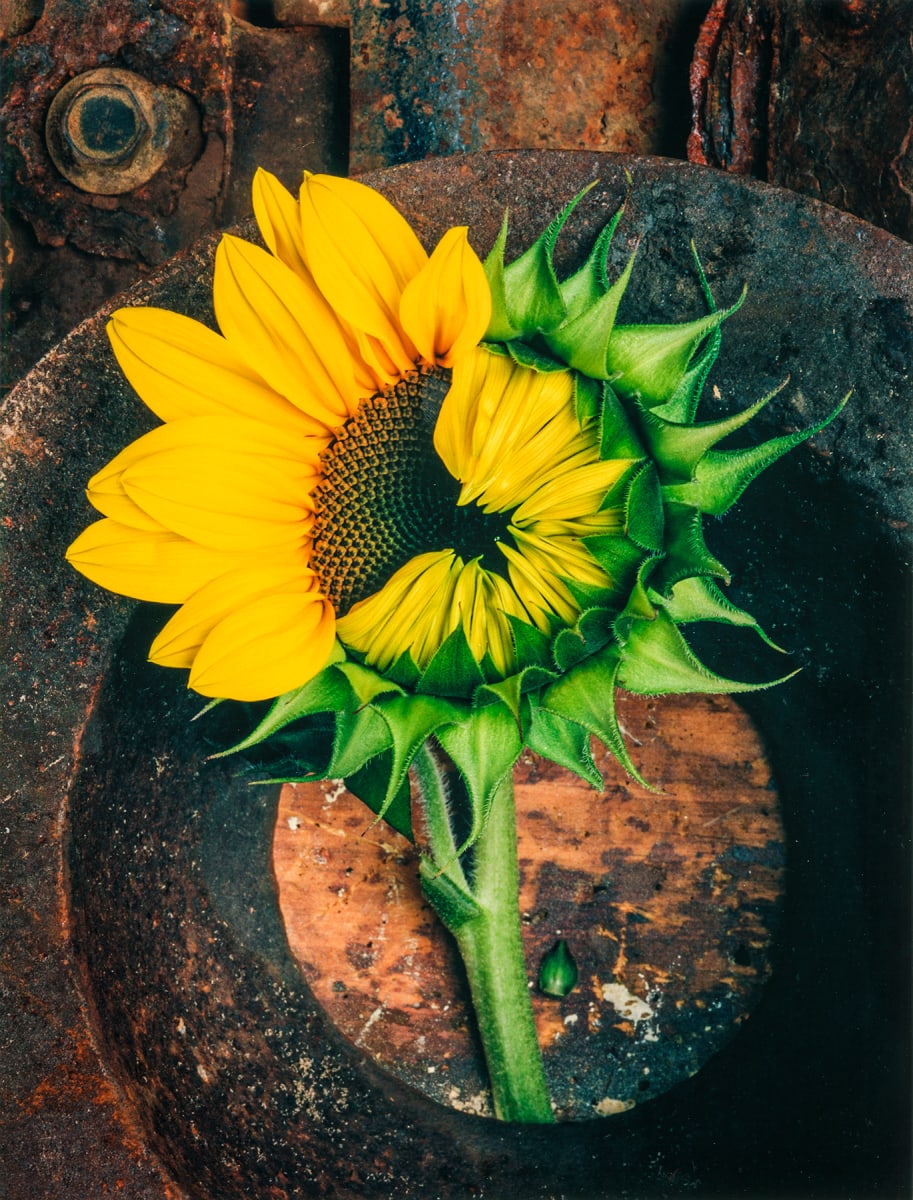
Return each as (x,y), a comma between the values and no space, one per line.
(815,97)
(216,97)
(191,1034)
(341,86)
(431,79)
(176,46)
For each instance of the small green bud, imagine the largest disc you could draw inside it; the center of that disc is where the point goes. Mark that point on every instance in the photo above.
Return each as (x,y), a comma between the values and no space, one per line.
(558,971)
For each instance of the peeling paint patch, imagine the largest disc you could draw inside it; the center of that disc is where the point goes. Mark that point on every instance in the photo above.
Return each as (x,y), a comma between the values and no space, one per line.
(625,1003)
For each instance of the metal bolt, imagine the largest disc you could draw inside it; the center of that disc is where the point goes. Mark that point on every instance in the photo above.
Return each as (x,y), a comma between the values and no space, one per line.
(104,124)
(110,130)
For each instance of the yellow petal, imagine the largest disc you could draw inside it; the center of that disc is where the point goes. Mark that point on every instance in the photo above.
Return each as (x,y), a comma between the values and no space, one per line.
(424,602)
(161,567)
(251,634)
(279,219)
(361,253)
(561,556)
(480,602)
(181,368)
(503,427)
(274,645)
(282,327)
(565,495)
(541,592)
(229,591)
(223,481)
(446,307)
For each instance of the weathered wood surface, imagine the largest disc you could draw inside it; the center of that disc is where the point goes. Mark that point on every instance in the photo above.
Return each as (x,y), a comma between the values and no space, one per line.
(667,901)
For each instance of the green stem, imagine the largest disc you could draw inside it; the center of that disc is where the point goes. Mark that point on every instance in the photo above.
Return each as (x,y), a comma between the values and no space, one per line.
(484,918)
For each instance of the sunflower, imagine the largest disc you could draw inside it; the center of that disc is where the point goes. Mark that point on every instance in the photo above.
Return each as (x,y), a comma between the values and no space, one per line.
(429,495)
(435,509)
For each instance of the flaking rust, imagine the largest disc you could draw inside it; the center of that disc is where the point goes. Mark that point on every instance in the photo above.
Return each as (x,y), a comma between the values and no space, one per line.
(817,98)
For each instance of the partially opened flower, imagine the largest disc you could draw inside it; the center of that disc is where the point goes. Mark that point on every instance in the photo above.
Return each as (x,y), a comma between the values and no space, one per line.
(451,504)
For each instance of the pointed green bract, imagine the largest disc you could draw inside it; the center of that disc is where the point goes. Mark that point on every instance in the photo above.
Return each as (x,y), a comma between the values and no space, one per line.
(526,297)
(652,361)
(656,660)
(583,342)
(370,784)
(484,749)
(587,285)
(678,448)
(565,742)
(453,671)
(699,599)
(586,697)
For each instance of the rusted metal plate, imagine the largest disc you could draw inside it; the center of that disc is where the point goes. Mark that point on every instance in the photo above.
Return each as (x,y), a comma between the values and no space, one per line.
(433,79)
(815,97)
(190,102)
(129,867)
(175,53)
(667,901)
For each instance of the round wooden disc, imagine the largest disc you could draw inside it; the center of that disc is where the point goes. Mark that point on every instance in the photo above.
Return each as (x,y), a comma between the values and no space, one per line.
(667,901)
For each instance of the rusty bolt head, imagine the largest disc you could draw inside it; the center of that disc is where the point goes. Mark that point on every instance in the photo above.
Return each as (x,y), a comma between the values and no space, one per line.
(104,124)
(109,130)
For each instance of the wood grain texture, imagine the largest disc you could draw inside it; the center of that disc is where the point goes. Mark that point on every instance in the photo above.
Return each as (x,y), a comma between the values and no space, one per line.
(668,902)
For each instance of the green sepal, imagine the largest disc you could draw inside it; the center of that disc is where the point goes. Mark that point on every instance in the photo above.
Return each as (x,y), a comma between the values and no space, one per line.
(366,683)
(682,404)
(328,691)
(525,355)
(404,671)
(508,692)
(588,399)
(411,720)
(656,660)
(583,343)
(617,436)
(698,599)
(639,605)
(359,737)
(565,742)
(586,697)
(532,296)
(484,749)
(369,784)
(452,903)
(678,448)
(722,476)
(499,328)
(651,361)
(453,670)
(619,558)
(686,551)
(582,289)
(532,646)
(592,631)
(644,519)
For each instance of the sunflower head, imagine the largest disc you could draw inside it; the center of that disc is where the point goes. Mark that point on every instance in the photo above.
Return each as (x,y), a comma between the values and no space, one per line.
(431,497)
